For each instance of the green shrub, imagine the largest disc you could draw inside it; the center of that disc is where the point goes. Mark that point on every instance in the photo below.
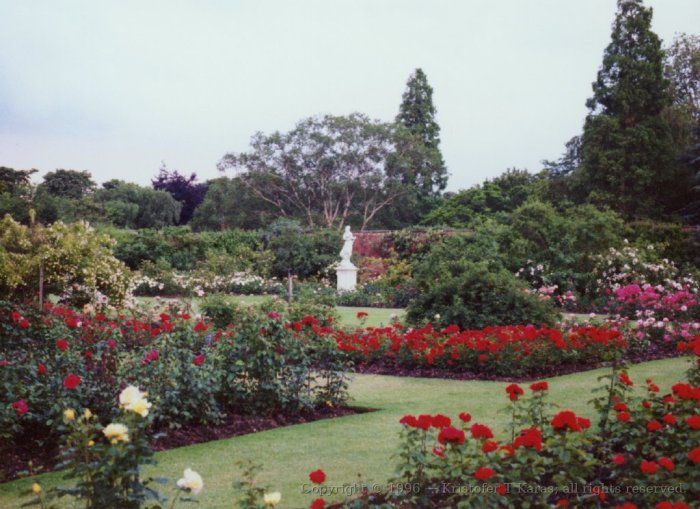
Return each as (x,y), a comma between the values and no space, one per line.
(472,295)
(220,309)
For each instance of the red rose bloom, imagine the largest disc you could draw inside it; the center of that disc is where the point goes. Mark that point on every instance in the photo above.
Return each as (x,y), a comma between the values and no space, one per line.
(694,455)
(62,345)
(465,417)
(441,421)
(649,467)
(625,379)
(693,421)
(24,323)
(489,446)
(184,316)
(531,438)
(623,417)
(20,407)
(481,431)
(274,315)
(439,451)
(451,435)
(669,419)
(409,420)
(620,407)
(199,360)
(502,489)
(361,314)
(562,502)
(568,419)
(41,369)
(424,421)
(484,474)
(514,391)
(619,459)
(317,476)
(671,505)
(200,327)
(626,505)
(319,503)
(646,404)
(71,381)
(654,425)
(539,387)
(111,344)
(666,463)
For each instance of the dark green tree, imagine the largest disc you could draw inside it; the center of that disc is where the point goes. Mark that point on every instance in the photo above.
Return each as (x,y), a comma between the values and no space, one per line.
(70,184)
(627,151)
(417,115)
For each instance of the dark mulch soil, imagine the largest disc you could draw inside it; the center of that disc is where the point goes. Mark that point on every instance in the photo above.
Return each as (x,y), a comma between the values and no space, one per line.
(389,368)
(16,457)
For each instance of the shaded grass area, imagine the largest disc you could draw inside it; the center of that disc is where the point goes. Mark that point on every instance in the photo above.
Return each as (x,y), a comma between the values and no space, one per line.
(361,443)
(376,317)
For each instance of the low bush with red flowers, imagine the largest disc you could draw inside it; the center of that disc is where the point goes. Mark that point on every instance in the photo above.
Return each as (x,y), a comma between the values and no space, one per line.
(265,363)
(516,350)
(649,459)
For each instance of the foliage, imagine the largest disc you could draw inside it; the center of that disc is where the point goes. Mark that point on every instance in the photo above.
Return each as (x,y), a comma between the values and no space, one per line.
(328,170)
(132,206)
(74,258)
(71,184)
(627,148)
(186,190)
(455,290)
(305,253)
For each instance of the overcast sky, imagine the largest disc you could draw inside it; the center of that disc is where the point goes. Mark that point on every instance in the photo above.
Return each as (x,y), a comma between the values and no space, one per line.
(116,87)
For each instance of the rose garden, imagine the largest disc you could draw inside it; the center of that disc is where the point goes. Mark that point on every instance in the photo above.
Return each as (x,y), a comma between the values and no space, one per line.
(328,329)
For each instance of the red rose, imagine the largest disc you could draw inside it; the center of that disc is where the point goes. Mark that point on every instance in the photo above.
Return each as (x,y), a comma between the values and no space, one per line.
(20,407)
(317,476)
(88,355)
(62,344)
(200,327)
(111,344)
(514,391)
(646,404)
(71,322)
(502,489)
(562,502)
(274,315)
(530,437)
(666,463)
(671,505)
(441,421)
(583,422)
(164,317)
(199,360)
(439,451)
(481,431)
(361,314)
(619,459)
(41,369)
(626,505)
(24,323)
(669,419)
(653,388)
(484,474)
(539,386)
(184,316)
(694,455)
(409,420)
(319,503)
(465,417)
(620,407)
(15,316)
(649,467)
(489,446)
(625,379)
(71,382)
(654,425)
(451,435)
(693,421)
(568,419)
(623,417)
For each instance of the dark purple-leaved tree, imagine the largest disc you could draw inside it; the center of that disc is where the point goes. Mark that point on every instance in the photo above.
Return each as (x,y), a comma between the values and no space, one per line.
(185,190)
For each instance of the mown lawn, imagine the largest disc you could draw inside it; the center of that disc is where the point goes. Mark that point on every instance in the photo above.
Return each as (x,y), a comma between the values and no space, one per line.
(361,443)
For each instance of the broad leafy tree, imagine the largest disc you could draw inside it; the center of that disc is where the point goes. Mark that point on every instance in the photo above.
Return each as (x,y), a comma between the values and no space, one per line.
(183,189)
(70,184)
(132,206)
(327,170)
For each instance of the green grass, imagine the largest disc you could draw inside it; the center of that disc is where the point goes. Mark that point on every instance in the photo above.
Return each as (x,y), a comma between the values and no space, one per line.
(361,443)
(377,317)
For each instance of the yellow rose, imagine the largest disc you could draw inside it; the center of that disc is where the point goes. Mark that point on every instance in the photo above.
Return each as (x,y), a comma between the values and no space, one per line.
(36,488)
(140,406)
(129,395)
(191,481)
(87,414)
(69,414)
(272,499)
(116,432)
(91,443)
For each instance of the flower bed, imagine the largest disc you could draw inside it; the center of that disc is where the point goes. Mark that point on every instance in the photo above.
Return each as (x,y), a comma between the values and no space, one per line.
(505,351)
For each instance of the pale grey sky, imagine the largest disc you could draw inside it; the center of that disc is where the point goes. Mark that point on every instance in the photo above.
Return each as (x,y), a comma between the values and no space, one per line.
(115,87)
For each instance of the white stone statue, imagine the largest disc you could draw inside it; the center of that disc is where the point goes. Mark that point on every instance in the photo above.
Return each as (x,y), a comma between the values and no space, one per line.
(346,271)
(346,252)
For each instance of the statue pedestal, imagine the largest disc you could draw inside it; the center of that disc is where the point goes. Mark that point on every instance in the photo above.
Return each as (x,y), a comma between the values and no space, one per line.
(347,277)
